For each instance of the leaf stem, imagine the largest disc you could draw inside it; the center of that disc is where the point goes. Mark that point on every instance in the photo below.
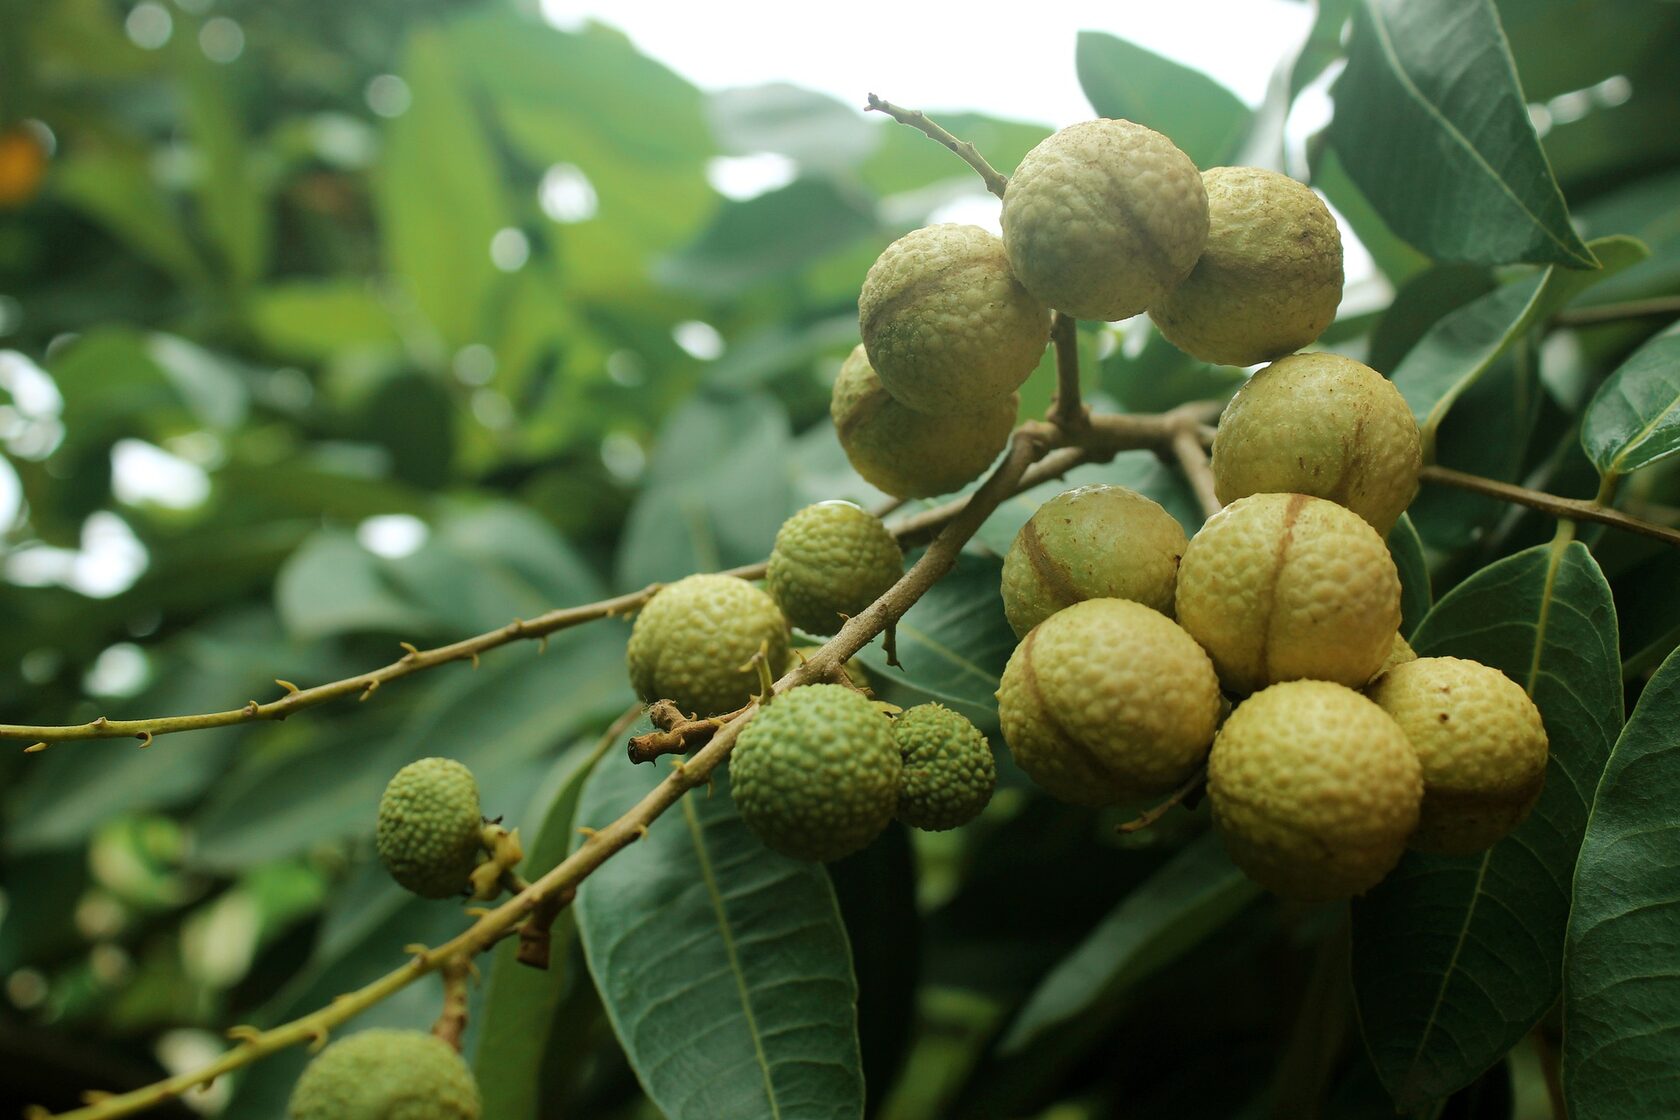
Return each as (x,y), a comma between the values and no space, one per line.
(1617,312)
(1571,509)
(1067,411)
(915,118)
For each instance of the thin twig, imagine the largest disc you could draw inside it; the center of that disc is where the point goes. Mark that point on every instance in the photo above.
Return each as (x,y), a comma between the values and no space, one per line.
(1193,460)
(1191,786)
(1067,411)
(915,118)
(452,1023)
(1573,509)
(1617,312)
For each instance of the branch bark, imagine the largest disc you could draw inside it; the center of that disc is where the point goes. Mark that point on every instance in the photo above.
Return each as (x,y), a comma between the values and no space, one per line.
(967,152)
(1571,509)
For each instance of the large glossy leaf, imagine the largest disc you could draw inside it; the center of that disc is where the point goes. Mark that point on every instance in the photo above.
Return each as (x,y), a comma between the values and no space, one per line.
(1621,993)
(438,216)
(723,966)
(1461,346)
(520,1003)
(1190,897)
(952,645)
(1456,958)
(1634,418)
(817,130)
(1431,124)
(1123,80)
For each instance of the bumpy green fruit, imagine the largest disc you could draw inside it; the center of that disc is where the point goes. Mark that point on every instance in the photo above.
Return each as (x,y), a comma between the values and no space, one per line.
(1481,743)
(1324,425)
(1096,542)
(911,454)
(1280,587)
(694,642)
(831,560)
(1314,789)
(949,772)
(386,1075)
(1268,281)
(1108,701)
(430,824)
(815,774)
(946,324)
(1103,218)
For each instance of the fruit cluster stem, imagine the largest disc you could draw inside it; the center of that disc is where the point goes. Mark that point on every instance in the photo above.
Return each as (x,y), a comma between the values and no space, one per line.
(916,119)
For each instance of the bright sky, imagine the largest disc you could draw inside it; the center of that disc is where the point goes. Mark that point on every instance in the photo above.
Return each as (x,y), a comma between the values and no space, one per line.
(939,56)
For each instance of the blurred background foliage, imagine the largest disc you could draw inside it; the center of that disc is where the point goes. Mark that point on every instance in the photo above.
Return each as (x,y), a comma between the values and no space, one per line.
(331,325)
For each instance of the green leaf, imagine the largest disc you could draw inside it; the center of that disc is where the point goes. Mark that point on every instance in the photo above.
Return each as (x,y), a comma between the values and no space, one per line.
(439,195)
(1634,418)
(723,966)
(321,318)
(332,585)
(813,128)
(1395,258)
(1122,80)
(230,198)
(1416,597)
(1621,994)
(905,160)
(1432,125)
(1192,895)
(116,189)
(1456,958)
(952,645)
(520,1002)
(1461,346)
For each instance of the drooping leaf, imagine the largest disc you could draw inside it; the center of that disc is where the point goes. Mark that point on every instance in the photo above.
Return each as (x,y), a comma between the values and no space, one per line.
(1634,418)
(1456,958)
(1395,258)
(321,318)
(230,196)
(1123,80)
(1460,347)
(1189,897)
(813,128)
(723,966)
(1431,123)
(1416,596)
(952,645)
(1621,995)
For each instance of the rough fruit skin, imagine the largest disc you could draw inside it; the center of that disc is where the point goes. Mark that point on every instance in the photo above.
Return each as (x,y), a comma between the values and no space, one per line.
(386,1075)
(429,828)
(1280,587)
(694,641)
(1270,278)
(815,774)
(831,559)
(1314,790)
(911,454)
(1107,701)
(1481,743)
(946,324)
(1324,425)
(1094,542)
(948,772)
(1103,218)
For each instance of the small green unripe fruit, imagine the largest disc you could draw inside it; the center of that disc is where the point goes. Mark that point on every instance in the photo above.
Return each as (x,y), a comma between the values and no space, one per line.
(1103,218)
(386,1075)
(815,774)
(949,772)
(1108,701)
(946,324)
(1280,587)
(430,825)
(1314,790)
(911,454)
(1268,281)
(831,560)
(1324,425)
(1095,542)
(1481,743)
(694,642)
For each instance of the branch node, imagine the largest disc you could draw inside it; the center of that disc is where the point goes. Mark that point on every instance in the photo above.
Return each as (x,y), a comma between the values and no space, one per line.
(35,748)
(641,831)
(145,738)
(243,1034)
(995,181)
(369,689)
(411,651)
(291,689)
(252,709)
(101,722)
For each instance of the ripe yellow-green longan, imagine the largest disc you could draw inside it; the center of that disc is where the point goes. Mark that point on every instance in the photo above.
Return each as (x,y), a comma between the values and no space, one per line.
(1103,218)
(694,642)
(815,775)
(1270,278)
(1314,789)
(1324,425)
(1107,702)
(830,561)
(911,454)
(1280,587)
(1093,542)
(1481,743)
(946,325)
